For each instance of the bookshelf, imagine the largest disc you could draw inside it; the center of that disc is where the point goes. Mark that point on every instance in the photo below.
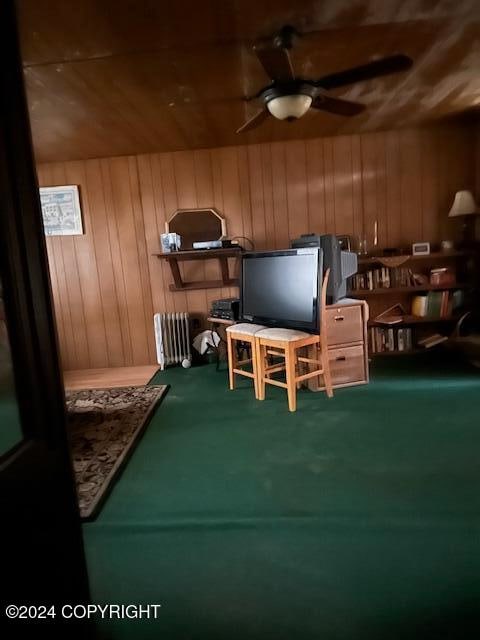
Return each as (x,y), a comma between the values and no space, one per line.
(362,293)
(410,320)
(438,255)
(388,281)
(389,354)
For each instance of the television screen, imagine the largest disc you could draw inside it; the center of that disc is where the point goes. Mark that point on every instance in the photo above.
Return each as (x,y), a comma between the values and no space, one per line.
(281,288)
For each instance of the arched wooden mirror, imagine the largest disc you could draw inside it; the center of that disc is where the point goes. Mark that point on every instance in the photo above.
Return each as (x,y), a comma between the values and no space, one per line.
(196,225)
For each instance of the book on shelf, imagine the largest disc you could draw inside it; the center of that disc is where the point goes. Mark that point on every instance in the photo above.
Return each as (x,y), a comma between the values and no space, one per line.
(397,277)
(442,276)
(458,299)
(388,320)
(437,304)
(434,303)
(419,306)
(420,280)
(382,278)
(383,339)
(392,315)
(432,340)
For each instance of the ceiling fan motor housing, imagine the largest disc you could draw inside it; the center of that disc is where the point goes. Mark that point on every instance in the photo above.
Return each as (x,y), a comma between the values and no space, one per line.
(285,38)
(288,89)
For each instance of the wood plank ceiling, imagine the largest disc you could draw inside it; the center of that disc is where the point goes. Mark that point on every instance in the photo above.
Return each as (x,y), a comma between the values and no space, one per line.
(122,77)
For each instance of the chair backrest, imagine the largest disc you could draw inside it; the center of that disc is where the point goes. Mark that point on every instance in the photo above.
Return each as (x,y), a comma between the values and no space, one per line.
(323,305)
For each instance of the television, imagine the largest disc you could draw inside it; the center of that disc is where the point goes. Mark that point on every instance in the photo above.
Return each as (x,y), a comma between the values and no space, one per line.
(342,264)
(282,288)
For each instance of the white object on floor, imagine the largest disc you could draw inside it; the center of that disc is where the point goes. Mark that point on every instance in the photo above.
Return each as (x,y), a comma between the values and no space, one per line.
(172,338)
(206,339)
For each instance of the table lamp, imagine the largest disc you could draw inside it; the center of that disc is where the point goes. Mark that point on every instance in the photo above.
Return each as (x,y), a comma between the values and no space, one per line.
(464,205)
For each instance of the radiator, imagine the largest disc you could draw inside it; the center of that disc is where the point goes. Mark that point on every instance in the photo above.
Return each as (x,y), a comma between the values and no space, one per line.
(172,338)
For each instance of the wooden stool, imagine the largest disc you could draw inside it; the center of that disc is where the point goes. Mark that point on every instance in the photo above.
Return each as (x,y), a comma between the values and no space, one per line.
(242,332)
(286,343)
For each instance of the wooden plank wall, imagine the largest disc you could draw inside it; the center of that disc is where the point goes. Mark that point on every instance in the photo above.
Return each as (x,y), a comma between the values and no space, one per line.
(106,284)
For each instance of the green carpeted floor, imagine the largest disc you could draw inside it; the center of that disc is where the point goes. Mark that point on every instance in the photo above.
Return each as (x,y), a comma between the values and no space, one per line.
(355,518)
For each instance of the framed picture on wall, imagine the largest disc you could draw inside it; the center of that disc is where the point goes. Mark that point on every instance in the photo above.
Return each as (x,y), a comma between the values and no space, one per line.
(61,211)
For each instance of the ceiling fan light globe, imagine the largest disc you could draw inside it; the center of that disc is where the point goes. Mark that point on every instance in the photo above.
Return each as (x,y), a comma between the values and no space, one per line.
(289,107)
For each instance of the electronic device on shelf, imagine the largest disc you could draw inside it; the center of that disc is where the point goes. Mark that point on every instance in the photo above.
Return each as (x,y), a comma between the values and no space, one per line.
(209,244)
(342,264)
(282,288)
(216,244)
(225,309)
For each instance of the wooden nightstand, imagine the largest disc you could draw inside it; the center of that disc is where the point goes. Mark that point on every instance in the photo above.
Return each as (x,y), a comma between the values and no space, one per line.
(347,343)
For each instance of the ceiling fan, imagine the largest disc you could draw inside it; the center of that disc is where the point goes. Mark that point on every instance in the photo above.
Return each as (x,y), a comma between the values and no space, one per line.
(289,97)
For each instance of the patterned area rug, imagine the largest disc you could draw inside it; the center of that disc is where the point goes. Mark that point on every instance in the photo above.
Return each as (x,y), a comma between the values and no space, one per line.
(104,427)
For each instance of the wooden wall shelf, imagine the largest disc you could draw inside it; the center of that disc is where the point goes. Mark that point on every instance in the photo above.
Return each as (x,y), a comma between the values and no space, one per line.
(221,255)
(406,352)
(412,320)
(361,293)
(439,255)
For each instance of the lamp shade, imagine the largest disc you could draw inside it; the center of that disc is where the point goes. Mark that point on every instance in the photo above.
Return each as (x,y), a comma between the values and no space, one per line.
(289,107)
(463,205)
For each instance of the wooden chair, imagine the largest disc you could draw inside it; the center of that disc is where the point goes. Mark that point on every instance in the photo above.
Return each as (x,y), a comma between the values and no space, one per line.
(245,333)
(287,343)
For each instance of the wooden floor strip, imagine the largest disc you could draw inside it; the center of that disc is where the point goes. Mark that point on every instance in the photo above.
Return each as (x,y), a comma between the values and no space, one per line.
(108,378)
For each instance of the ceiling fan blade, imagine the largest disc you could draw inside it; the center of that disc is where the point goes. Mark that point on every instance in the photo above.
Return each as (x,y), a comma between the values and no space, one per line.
(276,62)
(254,121)
(375,69)
(337,105)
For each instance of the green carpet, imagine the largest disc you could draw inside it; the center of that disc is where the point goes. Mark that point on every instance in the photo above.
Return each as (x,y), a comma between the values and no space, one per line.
(354,518)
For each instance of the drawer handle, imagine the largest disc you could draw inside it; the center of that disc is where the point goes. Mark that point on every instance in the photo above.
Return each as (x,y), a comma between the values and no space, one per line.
(339,358)
(339,318)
